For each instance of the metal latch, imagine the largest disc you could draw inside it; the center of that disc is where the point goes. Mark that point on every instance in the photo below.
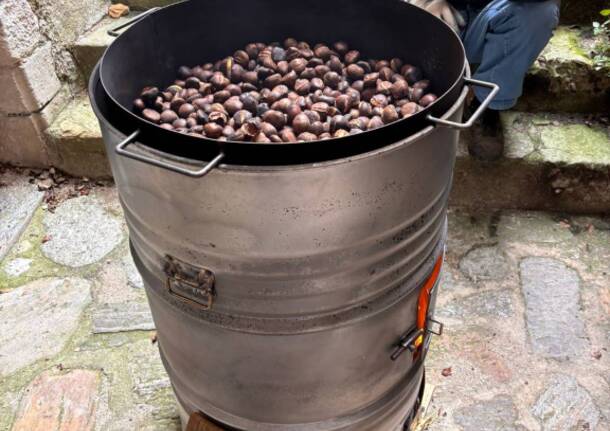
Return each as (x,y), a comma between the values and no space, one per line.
(407,342)
(414,339)
(189,283)
(430,327)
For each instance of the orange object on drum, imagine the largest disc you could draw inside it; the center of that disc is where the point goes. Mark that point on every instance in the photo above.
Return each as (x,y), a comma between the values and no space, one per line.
(424,300)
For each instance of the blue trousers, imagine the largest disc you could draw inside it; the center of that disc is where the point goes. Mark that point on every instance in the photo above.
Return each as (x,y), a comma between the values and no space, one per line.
(504,39)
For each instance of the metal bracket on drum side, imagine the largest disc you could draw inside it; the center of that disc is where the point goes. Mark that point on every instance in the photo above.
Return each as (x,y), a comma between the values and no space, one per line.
(190,284)
(475,116)
(429,328)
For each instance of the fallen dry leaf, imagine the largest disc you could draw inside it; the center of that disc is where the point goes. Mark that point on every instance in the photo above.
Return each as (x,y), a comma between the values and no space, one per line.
(446,372)
(118,10)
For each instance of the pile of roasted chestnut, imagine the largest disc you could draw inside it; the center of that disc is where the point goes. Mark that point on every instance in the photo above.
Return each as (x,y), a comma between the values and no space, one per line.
(286,93)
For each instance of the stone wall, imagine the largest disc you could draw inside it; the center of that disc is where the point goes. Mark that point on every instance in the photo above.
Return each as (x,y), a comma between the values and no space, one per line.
(38,75)
(63,22)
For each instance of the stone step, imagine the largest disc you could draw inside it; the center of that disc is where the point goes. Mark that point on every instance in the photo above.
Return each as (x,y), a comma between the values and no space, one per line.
(557,162)
(90,47)
(564,79)
(76,141)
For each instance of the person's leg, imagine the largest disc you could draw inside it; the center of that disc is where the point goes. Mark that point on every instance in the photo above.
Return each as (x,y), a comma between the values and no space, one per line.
(505,39)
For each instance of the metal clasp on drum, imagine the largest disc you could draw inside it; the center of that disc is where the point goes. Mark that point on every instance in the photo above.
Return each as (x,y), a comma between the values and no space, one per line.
(190,284)
(412,340)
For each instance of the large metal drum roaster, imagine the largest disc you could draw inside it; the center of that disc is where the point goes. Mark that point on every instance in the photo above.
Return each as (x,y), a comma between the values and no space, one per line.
(292,285)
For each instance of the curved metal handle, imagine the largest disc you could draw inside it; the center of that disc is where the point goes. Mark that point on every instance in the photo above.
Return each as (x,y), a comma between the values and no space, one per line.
(467,125)
(114,32)
(121,150)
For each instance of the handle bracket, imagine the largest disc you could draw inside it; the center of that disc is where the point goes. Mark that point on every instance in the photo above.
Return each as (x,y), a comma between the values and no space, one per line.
(432,324)
(121,149)
(475,116)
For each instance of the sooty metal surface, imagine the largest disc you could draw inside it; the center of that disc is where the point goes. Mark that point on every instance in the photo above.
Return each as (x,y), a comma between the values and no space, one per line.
(282,283)
(316,274)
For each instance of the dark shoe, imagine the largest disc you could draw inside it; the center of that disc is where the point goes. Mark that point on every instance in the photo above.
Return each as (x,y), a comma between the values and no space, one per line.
(486,142)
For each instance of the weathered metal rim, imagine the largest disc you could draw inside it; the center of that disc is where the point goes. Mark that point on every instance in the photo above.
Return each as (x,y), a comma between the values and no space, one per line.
(252,168)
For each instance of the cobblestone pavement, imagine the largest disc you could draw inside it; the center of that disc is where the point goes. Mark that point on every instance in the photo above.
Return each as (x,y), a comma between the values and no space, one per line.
(525,302)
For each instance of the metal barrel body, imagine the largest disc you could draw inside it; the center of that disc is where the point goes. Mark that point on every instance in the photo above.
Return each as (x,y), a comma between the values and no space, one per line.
(316,269)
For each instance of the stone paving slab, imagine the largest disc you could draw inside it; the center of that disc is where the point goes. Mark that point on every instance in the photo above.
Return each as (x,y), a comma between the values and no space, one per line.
(80,232)
(122,318)
(566,405)
(37,319)
(508,368)
(18,201)
(552,299)
(497,414)
(78,141)
(18,266)
(63,402)
(487,371)
(25,261)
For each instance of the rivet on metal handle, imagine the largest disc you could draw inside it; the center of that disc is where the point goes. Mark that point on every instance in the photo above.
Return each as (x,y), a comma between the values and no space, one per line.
(190,284)
(121,149)
(467,125)
(114,32)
